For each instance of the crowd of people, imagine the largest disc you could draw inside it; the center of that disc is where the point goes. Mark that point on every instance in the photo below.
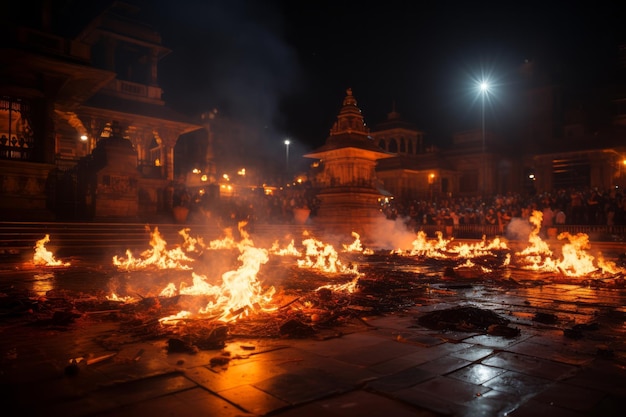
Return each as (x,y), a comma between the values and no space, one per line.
(588,206)
(578,206)
(256,207)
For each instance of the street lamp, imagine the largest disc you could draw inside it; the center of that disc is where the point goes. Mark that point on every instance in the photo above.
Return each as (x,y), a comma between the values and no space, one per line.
(484,89)
(287,142)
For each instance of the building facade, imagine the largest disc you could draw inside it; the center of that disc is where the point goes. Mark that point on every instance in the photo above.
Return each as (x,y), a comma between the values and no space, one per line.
(562,137)
(72,84)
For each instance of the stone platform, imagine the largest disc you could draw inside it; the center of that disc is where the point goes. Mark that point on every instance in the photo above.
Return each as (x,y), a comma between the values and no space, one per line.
(373,365)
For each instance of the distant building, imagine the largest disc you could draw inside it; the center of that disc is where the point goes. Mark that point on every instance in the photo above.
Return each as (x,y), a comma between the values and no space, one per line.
(562,137)
(86,135)
(74,75)
(348,188)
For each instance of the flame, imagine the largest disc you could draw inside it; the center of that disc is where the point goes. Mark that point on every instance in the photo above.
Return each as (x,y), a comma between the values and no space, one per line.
(348,287)
(125,299)
(43,257)
(289,250)
(574,262)
(538,247)
(239,295)
(354,246)
(324,257)
(229,242)
(482,248)
(174,319)
(431,248)
(159,256)
(609,267)
(191,244)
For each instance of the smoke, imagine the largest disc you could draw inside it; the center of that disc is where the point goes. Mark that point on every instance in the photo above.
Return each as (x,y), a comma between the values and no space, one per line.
(233,56)
(391,234)
(518,229)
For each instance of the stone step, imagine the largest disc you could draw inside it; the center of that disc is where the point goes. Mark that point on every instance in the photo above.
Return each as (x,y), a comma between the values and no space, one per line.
(90,239)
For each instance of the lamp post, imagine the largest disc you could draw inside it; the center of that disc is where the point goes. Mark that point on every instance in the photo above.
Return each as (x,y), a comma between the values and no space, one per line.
(484,89)
(287,142)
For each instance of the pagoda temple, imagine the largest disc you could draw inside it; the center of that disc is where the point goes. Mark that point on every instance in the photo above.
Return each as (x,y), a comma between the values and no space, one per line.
(350,192)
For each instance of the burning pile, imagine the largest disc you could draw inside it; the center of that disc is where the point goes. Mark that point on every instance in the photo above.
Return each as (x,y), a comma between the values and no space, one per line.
(229,285)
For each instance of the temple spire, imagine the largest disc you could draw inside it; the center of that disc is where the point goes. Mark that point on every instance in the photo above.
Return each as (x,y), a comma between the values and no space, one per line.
(350,120)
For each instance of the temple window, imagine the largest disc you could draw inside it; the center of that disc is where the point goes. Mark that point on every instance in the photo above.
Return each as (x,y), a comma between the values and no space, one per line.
(16,133)
(393,146)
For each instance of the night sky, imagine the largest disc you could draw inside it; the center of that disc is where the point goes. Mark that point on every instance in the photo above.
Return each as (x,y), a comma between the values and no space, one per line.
(284,66)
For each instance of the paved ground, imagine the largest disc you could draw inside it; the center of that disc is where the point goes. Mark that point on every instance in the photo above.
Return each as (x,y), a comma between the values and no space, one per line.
(571,363)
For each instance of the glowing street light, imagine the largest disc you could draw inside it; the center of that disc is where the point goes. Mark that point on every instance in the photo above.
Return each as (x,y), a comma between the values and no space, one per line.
(287,142)
(484,90)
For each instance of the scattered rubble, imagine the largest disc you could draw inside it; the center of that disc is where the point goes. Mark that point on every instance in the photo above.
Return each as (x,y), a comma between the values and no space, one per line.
(468,319)
(306,306)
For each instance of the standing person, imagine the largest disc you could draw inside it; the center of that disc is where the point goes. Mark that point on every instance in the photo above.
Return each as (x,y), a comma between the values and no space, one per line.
(548,219)
(456,217)
(593,207)
(576,202)
(560,216)
(504,218)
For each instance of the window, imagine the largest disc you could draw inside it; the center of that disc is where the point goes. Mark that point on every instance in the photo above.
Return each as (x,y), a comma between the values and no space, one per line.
(393,146)
(16,133)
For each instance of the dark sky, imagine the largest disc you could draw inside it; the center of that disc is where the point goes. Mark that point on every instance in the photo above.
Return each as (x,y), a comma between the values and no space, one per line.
(285,65)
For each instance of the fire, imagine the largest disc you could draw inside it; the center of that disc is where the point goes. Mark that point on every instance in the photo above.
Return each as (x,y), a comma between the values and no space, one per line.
(538,248)
(574,261)
(191,244)
(354,246)
(229,242)
(43,257)
(290,250)
(239,295)
(478,249)
(324,257)
(348,287)
(159,256)
(610,267)
(430,248)
(115,297)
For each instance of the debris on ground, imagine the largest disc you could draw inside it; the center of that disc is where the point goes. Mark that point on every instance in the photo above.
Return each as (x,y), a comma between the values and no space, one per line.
(468,319)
